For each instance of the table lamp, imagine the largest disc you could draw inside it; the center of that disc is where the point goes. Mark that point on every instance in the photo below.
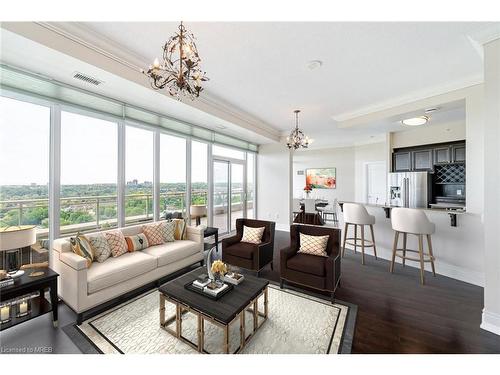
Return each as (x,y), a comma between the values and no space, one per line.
(197,211)
(12,239)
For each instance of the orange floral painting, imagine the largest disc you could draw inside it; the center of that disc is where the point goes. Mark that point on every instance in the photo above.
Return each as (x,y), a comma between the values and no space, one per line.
(322,178)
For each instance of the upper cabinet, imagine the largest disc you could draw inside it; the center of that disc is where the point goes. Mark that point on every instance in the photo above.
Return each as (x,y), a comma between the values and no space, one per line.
(458,153)
(442,155)
(402,161)
(424,158)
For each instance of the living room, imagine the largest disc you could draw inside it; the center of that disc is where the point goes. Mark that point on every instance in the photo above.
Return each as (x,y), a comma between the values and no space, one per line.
(336,195)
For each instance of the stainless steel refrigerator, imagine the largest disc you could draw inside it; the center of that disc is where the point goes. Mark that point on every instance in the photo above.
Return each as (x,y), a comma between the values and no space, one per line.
(409,189)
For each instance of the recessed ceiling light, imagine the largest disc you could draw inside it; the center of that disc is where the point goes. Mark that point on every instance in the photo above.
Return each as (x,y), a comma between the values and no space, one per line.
(415,121)
(314,64)
(218,126)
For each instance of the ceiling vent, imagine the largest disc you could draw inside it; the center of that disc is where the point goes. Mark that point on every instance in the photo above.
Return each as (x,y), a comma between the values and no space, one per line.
(87,79)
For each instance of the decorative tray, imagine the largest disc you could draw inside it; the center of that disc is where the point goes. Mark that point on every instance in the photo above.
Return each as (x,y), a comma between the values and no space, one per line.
(189,286)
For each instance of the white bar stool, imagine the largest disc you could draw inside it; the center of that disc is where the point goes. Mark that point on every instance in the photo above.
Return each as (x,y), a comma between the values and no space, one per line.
(357,215)
(412,221)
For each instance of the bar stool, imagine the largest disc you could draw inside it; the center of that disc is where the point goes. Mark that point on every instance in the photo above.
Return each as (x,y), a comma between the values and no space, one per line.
(412,221)
(357,215)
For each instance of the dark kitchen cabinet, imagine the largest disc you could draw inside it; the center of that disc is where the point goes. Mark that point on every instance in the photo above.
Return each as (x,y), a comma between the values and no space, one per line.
(402,161)
(422,160)
(442,155)
(426,157)
(458,153)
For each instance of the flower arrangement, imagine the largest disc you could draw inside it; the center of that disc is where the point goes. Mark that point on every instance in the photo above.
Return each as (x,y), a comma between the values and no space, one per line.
(308,188)
(218,267)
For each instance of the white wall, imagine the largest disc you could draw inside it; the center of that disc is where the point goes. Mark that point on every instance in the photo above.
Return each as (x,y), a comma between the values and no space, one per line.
(491,311)
(340,158)
(274,184)
(423,135)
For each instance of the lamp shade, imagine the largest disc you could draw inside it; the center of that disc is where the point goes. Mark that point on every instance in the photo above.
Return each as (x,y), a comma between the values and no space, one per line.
(16,237)
(197,210)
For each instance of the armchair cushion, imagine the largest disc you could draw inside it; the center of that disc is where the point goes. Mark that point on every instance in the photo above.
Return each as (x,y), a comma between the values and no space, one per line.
(252,235)
(313,245)
(307,263)
(241,250)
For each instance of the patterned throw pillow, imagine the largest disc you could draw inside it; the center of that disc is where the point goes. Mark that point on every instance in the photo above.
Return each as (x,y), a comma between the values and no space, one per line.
(102,251)
(137,242)
(160,232)
(252,235)
(313,245)
(80,245)
(117,243)
(180,232)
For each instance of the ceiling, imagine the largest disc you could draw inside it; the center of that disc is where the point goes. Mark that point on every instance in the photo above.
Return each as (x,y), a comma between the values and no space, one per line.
(261,68)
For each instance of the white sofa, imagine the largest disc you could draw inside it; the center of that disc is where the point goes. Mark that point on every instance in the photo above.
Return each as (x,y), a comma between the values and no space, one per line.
(84,288)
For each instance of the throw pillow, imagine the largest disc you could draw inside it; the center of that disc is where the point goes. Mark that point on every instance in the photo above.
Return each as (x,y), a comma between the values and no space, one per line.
(137,242)
(160,232)
(180,232)
(80,245)
(313,245)
(117,243)
(252,235)
(102,251)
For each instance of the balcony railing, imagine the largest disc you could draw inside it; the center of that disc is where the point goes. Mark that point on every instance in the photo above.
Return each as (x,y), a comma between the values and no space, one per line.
(86,214)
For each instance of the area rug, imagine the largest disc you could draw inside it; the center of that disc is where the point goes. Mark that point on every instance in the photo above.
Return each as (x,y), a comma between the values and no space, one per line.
(297,324)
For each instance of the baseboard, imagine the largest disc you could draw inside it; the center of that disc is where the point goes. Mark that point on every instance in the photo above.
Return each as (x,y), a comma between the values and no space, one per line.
(491,322)
(442,268)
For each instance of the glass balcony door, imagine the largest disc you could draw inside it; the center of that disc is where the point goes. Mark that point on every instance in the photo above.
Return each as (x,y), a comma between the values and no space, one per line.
(229,194)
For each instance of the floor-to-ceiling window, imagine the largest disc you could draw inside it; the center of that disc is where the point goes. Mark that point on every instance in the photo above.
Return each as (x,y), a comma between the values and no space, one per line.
(172,174)
(199,175)
(88,173)
(24,164)
(250,195)
(138,175)
(88,179)
(229,189)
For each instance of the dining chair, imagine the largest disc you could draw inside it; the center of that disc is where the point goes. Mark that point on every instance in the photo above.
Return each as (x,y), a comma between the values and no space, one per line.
(296,209)
(310,206)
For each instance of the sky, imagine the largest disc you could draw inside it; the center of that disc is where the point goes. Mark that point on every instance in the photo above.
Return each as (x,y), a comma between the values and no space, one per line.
(89,149)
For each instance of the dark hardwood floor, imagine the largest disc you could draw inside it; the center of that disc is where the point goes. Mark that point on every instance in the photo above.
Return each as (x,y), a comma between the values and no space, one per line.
(398,315)
(395,313)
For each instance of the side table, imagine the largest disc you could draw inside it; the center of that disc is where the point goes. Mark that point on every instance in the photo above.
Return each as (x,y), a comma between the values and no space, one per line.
(209,232)
(39,305)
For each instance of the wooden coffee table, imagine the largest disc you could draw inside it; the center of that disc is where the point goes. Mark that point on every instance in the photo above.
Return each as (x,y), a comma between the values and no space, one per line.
(223,312)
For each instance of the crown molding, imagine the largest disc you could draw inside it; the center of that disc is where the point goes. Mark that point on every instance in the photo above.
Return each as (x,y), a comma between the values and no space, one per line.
(410,98)
(486,35)
(81,34)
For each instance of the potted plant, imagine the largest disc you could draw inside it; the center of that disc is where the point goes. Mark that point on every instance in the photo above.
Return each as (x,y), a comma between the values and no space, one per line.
(218,269)
(308,189)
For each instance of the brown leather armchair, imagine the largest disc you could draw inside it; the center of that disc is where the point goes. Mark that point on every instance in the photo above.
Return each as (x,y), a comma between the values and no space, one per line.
(317,272)
(246,255)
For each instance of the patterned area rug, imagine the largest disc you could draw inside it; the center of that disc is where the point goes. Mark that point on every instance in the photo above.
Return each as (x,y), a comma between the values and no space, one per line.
(297,323)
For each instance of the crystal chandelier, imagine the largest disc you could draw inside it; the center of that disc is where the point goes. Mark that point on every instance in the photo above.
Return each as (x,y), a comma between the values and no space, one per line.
(297,139)
(179,71)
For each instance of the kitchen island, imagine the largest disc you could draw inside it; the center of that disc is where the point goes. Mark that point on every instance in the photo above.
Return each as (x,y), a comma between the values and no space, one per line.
(458,249)
(387,209)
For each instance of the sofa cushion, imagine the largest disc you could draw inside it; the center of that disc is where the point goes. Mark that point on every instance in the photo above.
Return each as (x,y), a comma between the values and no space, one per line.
(311,264)
(172,251)
(81,245)
(117,243)
(159,232)
(102,251)
(116,270)
(241,250)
